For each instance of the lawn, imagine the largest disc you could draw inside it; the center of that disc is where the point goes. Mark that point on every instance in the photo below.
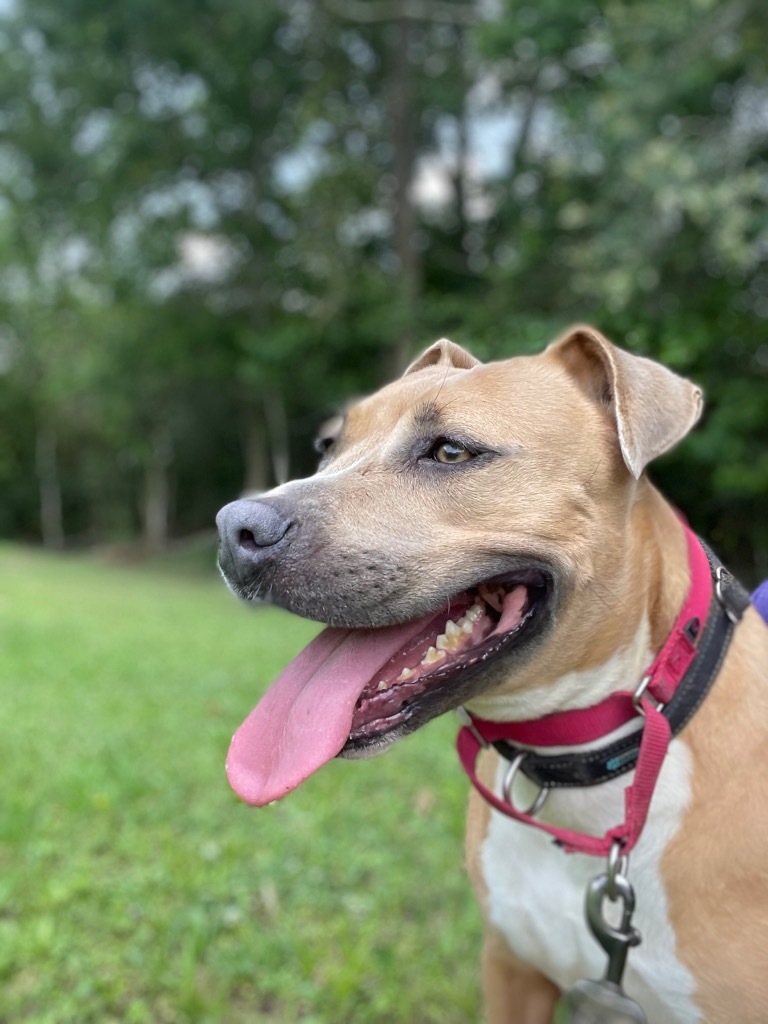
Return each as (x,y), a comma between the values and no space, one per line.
(135,888)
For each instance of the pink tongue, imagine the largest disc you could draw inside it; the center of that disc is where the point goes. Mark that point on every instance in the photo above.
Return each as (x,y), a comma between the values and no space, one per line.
(304,718)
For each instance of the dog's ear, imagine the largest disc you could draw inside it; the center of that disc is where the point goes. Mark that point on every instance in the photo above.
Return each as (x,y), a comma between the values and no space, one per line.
(653,407)
(443,353)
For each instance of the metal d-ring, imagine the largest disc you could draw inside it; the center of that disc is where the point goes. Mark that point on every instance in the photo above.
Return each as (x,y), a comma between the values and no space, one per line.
(508,780)
(640,692)
(618,864)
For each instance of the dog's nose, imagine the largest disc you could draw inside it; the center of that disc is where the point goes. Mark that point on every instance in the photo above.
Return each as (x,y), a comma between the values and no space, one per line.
(248,529)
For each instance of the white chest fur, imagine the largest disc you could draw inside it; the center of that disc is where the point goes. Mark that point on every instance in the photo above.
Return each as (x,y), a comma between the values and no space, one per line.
(536,892)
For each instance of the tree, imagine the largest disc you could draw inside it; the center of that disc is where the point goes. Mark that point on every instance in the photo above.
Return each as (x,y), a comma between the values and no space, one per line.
(218,223)
(636,198)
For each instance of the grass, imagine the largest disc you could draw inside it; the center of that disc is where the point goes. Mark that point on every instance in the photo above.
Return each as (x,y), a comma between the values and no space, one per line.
(135,888)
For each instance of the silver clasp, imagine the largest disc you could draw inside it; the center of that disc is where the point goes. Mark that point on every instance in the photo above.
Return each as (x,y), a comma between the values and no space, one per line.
(616,941)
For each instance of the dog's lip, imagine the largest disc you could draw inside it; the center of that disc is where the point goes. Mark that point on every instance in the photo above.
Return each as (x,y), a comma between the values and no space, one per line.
(449,677)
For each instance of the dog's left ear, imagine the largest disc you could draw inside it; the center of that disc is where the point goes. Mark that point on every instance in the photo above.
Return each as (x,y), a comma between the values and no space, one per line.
(653,407)
(443,353)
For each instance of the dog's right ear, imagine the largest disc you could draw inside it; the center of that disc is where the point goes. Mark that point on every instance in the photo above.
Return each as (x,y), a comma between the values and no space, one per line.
(443,353)
(651,406)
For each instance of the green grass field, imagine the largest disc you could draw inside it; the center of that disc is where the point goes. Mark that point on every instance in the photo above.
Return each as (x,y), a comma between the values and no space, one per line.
(135,888)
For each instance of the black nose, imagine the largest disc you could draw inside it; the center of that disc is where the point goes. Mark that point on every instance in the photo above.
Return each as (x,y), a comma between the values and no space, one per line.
(248,529)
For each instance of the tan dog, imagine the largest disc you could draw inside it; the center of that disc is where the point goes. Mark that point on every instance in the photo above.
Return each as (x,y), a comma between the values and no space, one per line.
(509,500)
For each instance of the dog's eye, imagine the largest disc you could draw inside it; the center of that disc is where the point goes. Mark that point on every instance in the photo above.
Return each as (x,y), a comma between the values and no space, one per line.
(450,453)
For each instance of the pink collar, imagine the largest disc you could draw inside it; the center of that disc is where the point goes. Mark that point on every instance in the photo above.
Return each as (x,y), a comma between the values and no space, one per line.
(570,728)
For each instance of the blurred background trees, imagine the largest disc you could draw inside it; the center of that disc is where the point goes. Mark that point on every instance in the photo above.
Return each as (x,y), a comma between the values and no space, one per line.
(218,220)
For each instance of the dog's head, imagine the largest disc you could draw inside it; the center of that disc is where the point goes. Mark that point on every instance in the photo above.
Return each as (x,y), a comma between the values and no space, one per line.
(456,518)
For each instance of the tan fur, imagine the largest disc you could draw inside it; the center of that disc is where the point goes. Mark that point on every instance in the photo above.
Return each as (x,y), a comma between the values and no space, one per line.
(715,870)
(658,542)
(718,864)
(507,982)
(574,427)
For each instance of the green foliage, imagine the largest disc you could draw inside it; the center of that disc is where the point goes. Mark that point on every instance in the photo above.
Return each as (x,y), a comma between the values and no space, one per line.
(214,228)
(136,888)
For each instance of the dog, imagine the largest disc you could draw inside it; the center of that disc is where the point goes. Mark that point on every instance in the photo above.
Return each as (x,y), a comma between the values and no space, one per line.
(485,537)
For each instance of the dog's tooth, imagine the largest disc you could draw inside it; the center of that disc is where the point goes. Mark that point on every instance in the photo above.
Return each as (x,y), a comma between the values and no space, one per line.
(475,613)
(407,673)
(467,625)
(451,629)
(382,685)
(432,656)
(449,642)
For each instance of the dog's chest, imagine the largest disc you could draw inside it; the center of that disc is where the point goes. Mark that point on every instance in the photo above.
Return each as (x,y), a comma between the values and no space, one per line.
(536,892)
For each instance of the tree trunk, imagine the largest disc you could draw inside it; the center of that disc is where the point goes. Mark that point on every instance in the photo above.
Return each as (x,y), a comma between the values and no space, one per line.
(277,427)
(517,153)
(157,491)
(404,144)
(462,173)
(461,190)
(49,487)
(255,464)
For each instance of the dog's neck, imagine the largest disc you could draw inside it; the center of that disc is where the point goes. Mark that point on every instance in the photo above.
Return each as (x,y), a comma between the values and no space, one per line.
(614,623)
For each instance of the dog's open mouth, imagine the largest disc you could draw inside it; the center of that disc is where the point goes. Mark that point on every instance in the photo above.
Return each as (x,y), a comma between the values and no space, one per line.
(478,624)
(353,690)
